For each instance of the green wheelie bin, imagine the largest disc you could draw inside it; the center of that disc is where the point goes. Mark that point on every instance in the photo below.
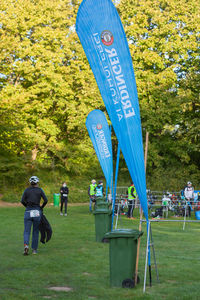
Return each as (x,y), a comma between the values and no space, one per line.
(123,253)
(101,203)
(56,199)
(103,220)
(99,200)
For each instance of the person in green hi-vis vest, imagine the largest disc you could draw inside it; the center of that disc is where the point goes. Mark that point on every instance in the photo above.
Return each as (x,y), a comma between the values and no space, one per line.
(91,192)
(131,200)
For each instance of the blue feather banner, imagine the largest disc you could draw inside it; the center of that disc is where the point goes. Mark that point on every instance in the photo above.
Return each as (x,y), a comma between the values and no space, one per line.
(102,36)
(100,135)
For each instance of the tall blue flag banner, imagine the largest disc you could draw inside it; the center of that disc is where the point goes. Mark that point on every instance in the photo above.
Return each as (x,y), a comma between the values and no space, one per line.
(102,36)
(100,135)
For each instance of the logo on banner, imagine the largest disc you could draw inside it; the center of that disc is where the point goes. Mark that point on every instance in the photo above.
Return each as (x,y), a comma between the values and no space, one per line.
(99,126)
(107,38)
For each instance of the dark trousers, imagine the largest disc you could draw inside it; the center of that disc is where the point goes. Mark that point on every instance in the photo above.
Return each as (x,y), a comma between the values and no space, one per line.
(92,199)
(189,208)
(31,222)
(131,205)
(64,200)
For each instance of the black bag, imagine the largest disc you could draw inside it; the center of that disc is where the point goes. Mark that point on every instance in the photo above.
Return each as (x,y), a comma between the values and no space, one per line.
(45,230)
(158,212)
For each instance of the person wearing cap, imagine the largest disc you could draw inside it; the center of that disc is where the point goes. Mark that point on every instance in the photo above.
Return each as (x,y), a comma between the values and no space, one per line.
(31,199)
(91,193)
(131,200)
(189,196)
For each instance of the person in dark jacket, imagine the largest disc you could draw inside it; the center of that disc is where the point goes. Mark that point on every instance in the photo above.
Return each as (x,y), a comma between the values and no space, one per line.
(64,191)
(31,200)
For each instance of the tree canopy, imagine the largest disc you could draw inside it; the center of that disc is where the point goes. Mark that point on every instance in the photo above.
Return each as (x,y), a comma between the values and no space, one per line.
(164,43)
(47,87)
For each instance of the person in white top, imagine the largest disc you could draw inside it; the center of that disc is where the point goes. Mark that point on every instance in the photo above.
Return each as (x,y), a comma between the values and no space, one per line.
(189,195)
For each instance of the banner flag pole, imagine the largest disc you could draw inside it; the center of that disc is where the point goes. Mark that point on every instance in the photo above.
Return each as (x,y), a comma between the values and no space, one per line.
(106,191)
(111,181)
(141,211)
(115,187)
(147,254)
(185,214)
(117,217)
(154,254)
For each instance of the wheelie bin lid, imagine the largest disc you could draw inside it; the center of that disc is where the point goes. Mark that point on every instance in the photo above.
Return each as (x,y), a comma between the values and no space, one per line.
(102,203)
(102,211)
(120,233)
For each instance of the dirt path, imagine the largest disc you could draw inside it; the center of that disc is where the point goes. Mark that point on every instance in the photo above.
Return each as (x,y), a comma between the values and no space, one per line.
(7,204)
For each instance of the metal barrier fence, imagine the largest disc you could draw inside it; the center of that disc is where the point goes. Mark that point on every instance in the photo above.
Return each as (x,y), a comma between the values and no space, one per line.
(164,201)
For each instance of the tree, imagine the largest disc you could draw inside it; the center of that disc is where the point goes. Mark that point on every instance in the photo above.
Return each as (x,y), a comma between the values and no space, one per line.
(163,40)
(46,85)
(189,125)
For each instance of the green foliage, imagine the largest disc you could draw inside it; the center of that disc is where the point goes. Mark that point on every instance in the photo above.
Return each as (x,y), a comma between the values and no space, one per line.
(173,178)
(164,44)
(47,88)
(12,172)
(43,72)
(11,197)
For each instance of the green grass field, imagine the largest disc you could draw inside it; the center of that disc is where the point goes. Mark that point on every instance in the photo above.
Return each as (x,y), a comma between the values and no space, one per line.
(73,259)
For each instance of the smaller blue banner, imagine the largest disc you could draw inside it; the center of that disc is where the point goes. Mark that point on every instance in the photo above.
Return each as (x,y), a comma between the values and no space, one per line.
(100,135)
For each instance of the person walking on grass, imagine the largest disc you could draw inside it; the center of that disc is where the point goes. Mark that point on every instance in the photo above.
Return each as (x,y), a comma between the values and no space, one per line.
(91,193)
(31,200)
(64,191)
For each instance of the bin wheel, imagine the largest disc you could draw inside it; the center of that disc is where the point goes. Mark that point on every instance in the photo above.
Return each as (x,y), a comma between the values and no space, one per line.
(128,283)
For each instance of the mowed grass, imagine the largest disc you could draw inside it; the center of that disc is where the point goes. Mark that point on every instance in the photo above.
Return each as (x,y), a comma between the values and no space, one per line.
(73,259)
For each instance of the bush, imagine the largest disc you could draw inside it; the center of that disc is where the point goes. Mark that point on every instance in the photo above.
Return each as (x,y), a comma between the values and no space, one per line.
(11,197)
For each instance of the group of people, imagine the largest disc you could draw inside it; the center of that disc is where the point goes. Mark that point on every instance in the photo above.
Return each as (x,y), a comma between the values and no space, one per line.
(31,199)
(181,205)
(95,190)
(33,195)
